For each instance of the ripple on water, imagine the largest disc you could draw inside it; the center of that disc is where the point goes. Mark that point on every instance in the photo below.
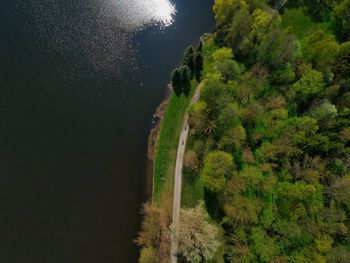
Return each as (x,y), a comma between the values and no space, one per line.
(95,35)
(137,14)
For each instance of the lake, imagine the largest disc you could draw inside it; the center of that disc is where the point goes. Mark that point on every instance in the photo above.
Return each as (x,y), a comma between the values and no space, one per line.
(79,83)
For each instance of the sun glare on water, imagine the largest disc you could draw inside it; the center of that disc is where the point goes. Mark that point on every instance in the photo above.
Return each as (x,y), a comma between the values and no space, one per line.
(164,11)
(136,14)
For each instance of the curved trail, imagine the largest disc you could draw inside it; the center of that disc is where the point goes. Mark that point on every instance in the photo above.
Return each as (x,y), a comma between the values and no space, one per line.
(178,175)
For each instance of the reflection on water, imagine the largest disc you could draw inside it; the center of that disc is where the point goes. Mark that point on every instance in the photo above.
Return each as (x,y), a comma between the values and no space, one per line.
(136,14)
(100,31)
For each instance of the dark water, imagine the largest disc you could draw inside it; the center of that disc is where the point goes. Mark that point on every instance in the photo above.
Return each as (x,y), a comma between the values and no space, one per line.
(79,82)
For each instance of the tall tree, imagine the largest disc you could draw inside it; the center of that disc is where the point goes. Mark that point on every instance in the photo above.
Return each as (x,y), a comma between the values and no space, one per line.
(185,75)
(176,82)
(198,65)
(189,58)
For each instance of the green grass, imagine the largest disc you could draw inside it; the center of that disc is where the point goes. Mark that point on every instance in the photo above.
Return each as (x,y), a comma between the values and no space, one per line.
(192,191)
(168,139)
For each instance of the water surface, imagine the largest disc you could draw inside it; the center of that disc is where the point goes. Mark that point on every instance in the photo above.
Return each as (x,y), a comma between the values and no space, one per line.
(79,82)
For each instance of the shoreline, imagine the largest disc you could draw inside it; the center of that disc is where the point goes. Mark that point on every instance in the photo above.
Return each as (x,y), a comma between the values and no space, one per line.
(152,140)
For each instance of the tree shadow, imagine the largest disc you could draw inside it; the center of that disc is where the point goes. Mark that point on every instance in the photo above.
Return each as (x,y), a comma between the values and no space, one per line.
(213,205)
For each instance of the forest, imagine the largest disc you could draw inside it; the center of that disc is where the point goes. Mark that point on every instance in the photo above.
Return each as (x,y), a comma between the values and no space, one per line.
(267,167)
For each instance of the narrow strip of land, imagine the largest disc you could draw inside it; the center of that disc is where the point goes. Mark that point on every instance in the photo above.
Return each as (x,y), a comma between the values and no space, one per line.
(178,176)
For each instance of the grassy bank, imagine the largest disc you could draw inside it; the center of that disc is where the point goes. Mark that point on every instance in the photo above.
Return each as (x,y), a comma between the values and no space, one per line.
(167,143)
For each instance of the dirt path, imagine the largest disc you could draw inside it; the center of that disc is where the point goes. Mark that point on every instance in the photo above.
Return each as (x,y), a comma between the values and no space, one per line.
(178,175)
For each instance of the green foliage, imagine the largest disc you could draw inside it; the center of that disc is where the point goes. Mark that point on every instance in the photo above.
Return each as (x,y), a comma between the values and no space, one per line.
(253,178)
(277,47)
(225,9)
(341,65)
(198,117)
(238,34)
(216,95)
(242,211)
(261,22)
(320,49)
(188,59)
(229,70)
(324,243)
(310,84)
(298,21)
(198,65)
(233,138)
(217,169)
(285,75)
(339,254)
(324,112)
(341,20)
(265,247)
(222,54)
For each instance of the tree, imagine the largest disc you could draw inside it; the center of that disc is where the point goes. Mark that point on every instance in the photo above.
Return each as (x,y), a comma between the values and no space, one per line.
(198,117)
(320,49)
(216,95)
(341,65)
(305,137)
(189,58)
(197,237)
(266,247)
(277,47)
(229,69)
(297,201)
(319,10)
(176,82)
(225,10)
(324,112)
(222,54)
(237,35)
(150,233)
(253,178)
(191,161)
(310,84)
(233,138)
(324,243)
(284,75)
(181,78)
(217,169)
(260,25)
(229,117)
(339,254)
(198,65)
(340,191)
(241,210)
(185,74)
(341,20)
